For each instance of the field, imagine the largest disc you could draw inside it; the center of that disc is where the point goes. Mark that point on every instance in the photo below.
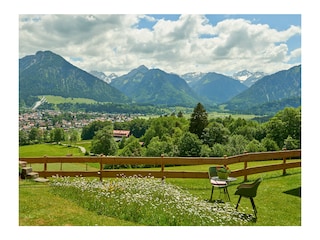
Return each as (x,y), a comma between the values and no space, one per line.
(187,111)
(40,150)
(278,200)
(58,99)
(224,114)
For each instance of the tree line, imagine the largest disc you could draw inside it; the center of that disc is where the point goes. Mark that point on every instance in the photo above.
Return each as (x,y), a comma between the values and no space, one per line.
(175,135)
(197,136)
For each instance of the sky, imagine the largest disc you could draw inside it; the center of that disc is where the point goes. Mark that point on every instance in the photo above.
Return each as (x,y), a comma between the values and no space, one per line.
(177,43)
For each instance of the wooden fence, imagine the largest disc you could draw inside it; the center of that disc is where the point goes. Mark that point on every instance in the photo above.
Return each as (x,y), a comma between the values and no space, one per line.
(287,159)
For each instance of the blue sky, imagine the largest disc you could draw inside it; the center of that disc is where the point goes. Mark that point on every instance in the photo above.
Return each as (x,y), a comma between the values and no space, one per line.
(118,43)
(276,21)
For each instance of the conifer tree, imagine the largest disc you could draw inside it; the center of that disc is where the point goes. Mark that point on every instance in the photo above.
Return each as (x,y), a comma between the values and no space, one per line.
(199,120)
(180,114)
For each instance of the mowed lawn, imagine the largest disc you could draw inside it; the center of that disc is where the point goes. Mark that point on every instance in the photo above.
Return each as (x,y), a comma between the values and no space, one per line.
(48,149)
(39,207)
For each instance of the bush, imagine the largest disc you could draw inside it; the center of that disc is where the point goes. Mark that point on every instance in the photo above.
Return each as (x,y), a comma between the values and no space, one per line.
(270,144)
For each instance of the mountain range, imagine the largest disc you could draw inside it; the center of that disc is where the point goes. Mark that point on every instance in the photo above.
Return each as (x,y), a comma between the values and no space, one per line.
(280,86)
(248,78)
(103,76)
(218,88)
(154,86)
(47,73)
(192,78)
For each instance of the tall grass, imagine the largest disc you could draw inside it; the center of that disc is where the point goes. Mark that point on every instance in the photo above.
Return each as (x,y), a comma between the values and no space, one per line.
(146,201)
(278,202)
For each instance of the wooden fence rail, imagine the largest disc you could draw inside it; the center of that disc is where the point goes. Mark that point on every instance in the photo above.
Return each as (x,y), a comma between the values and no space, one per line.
(287,159)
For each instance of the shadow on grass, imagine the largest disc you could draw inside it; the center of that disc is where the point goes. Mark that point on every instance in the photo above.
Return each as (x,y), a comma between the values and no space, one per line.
(248,217)
(294,192)
(244,216)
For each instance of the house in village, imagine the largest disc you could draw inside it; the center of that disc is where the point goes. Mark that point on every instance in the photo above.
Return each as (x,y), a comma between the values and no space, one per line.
(119,134)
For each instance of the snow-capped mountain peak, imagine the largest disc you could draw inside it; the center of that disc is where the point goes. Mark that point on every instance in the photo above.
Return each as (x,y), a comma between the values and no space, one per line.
(242,75)
(248,78)
(192,77)
(103,76)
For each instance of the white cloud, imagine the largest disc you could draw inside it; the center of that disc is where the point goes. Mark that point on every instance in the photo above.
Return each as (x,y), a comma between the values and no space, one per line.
(115,43)
(295,53)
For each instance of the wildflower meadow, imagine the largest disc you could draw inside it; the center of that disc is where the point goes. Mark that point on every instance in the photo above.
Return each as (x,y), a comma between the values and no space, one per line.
(146,201)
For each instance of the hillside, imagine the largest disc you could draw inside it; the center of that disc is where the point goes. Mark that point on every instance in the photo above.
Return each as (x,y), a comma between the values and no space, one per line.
(276,87)
(129,82)
(217,88)
(47,73)
(155,86)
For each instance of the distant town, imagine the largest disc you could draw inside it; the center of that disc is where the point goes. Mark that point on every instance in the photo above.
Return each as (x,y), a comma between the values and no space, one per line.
(50,119)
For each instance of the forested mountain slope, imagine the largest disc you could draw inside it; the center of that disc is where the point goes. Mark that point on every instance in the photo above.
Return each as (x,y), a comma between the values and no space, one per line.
(47,73)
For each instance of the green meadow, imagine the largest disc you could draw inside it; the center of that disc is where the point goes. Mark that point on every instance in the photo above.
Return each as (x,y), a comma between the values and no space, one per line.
(58,99)
(278,200)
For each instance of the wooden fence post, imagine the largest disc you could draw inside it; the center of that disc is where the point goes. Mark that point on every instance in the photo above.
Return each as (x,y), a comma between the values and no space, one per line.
(45,164)
(284,171)
(101,168)
(162,167)
(245,177)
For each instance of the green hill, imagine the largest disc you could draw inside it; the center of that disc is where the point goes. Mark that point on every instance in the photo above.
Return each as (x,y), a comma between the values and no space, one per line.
(46,73)
(217,88)
(155,86)
(282,86)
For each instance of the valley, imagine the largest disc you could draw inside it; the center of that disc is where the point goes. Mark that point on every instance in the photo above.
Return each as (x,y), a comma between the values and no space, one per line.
(149,91)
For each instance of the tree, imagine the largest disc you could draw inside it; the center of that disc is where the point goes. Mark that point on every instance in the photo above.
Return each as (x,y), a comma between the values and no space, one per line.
(249,131)
(205,151)
(236,145)
(156,147)
(276,131)
(180,114)
(35,135)
(132,148)
(290,143)
(217,150)
(270,144)
(164,126)
(88,131)
(73,136)
(237,123)
(46,136)
(58,135)
(103,142)
(215,133)
(189,145)
(285,123)
(23,138)
(199,120)
(122,143)
(138,127)
(255,146)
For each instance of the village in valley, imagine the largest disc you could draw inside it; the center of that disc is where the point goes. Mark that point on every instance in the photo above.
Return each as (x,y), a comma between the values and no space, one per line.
(46,120)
